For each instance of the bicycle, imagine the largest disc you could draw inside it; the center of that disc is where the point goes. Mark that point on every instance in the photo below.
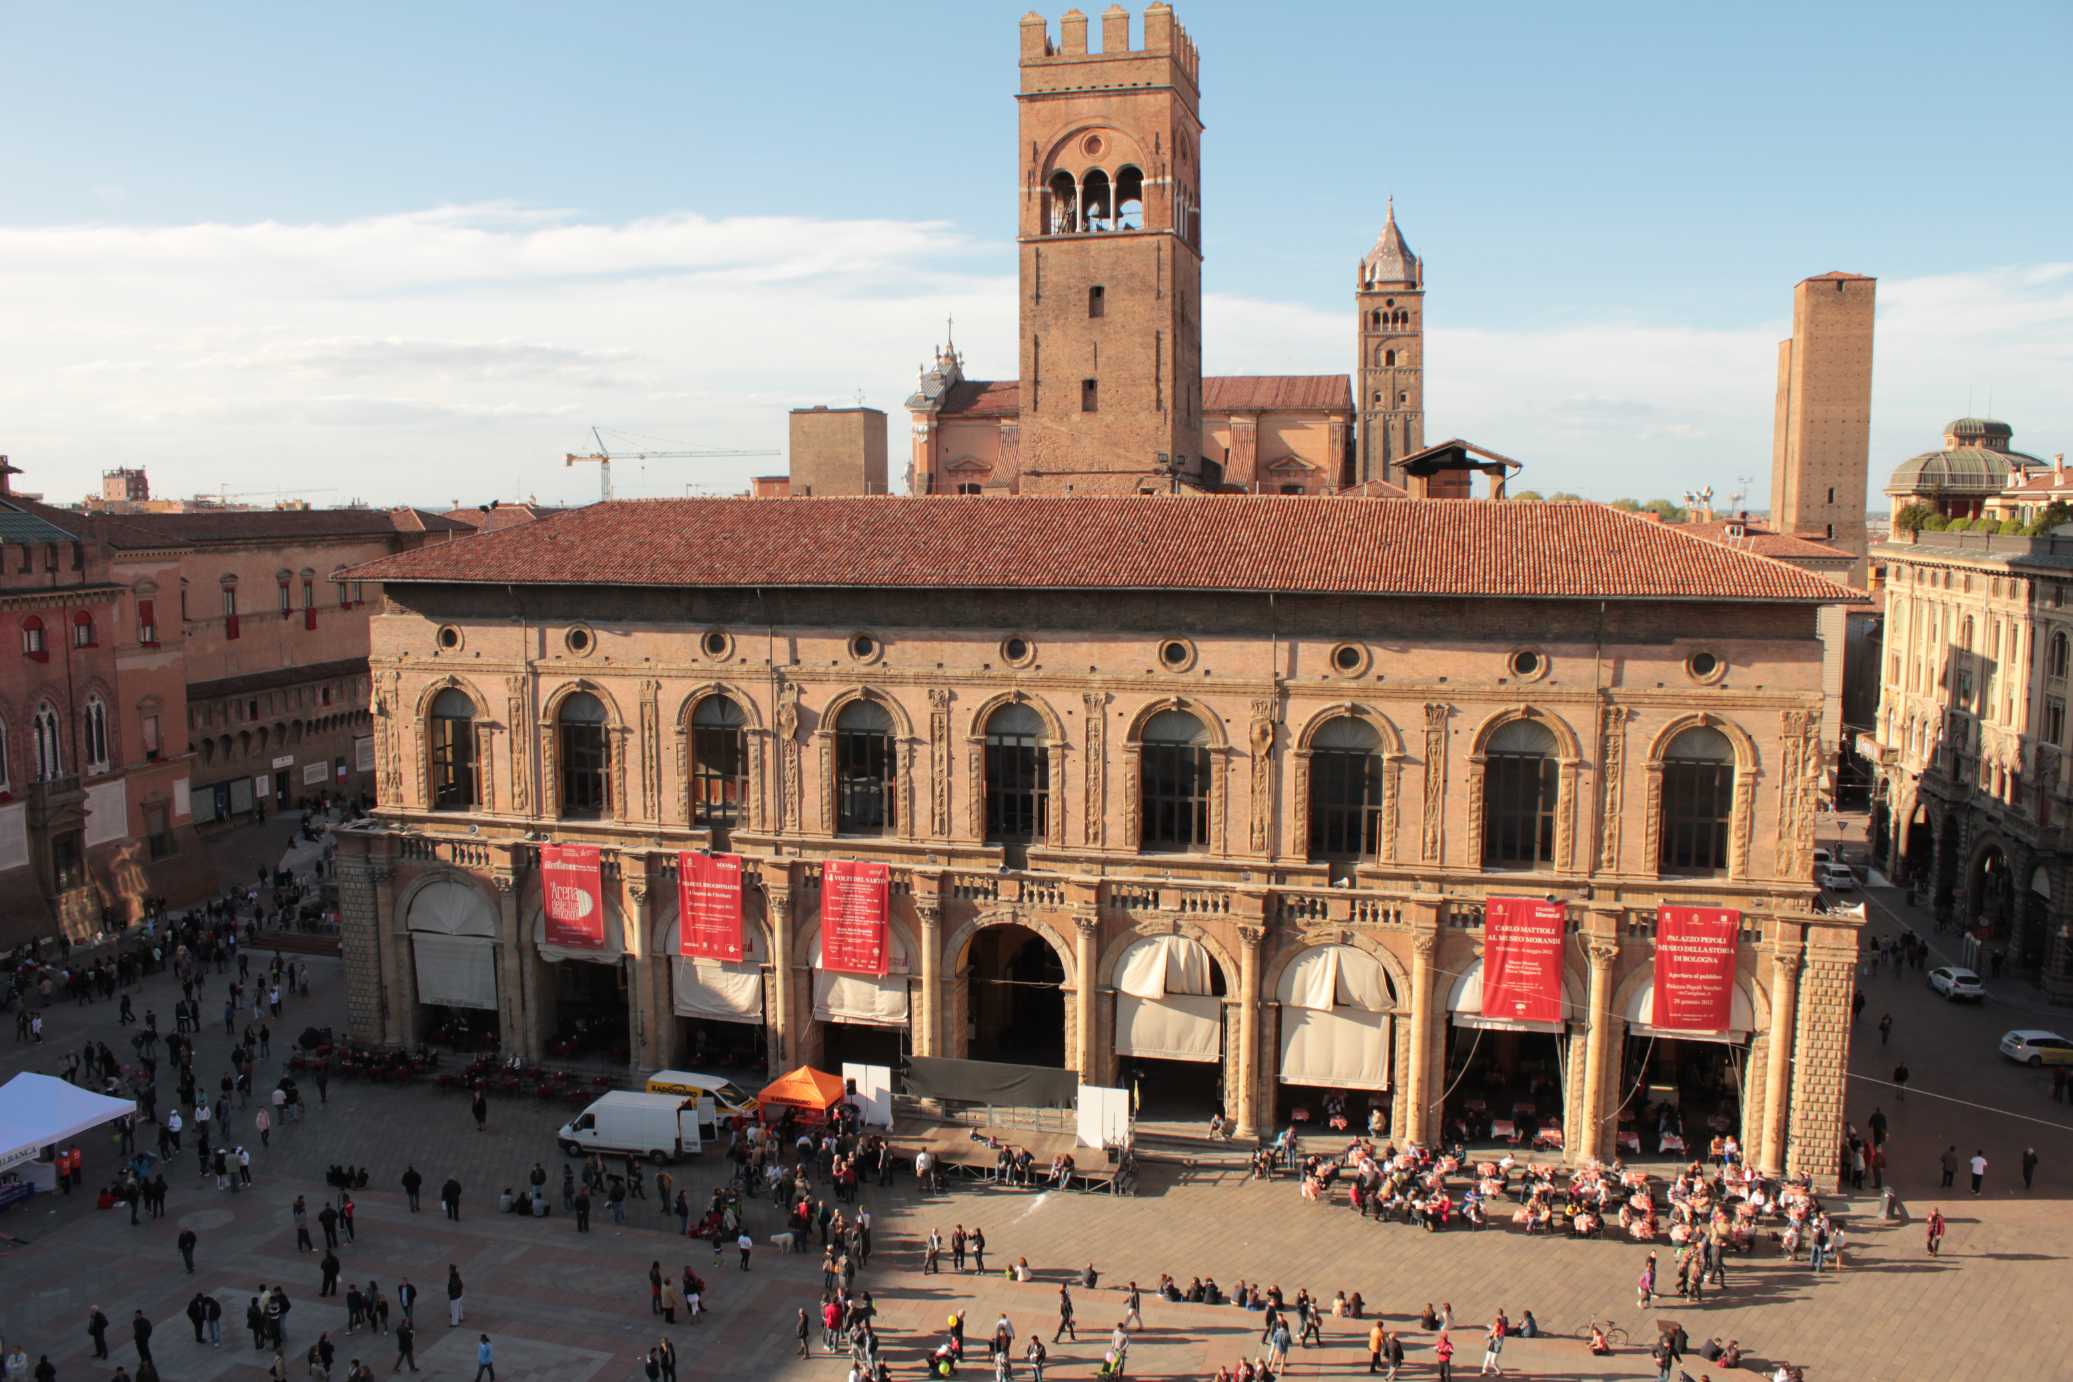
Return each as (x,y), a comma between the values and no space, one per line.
(1614,1335)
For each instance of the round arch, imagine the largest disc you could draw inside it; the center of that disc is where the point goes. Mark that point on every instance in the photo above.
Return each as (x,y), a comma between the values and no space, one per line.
(450,902)
(432,689)
(1627,992)
(1128,936)
(1746,761)
(1295,943)
(1212,723)
(903,726)
(452,924)
(960,940)
(734,693)
(551,704)
(1122,148)
(1392,741)
(1053,725)
(1569,748)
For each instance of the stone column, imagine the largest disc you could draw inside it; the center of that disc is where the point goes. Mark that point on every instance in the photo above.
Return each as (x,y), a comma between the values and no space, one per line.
(641,1021)
(928,1025)
(1246,1114)
(1418,1079)
(780,1017)
(515,1021)
(1589,1140)
(1785,965)
(398,965)
(362,945)
(1086,958)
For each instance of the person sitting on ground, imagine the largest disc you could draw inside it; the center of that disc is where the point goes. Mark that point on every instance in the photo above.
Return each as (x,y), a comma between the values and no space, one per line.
(1339,1304)
(1599,1346)
(1430,1319)
(1211,1294)
(1529,1328)
(1167,1290)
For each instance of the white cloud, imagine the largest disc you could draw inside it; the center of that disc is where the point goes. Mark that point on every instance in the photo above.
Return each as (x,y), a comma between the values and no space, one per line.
(458,351)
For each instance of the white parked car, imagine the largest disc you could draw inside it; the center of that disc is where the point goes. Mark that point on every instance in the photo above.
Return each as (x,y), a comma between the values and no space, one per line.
(1835,877)
(1958,985)
(2034,1046)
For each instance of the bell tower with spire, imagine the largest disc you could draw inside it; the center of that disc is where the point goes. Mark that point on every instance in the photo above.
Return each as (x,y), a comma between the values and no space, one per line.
(1389,293)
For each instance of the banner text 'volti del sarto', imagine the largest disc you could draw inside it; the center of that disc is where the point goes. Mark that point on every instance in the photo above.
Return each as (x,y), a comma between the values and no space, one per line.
(855,901)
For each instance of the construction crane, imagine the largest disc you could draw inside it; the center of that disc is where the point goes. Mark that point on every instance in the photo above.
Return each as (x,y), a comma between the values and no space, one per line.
(223,494)
(604,456)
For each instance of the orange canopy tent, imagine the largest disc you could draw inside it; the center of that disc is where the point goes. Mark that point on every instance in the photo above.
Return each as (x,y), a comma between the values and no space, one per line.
(806,1089)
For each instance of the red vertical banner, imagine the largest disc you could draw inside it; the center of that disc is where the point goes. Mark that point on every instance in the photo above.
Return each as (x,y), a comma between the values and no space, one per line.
(709,906)
(855,901)
(1522,958)
(573,886)
(1695,968)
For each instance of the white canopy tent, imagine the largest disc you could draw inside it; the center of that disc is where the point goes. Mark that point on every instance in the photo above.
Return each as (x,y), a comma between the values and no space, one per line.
(1335,1006)
(1165,1008)
(37,1110)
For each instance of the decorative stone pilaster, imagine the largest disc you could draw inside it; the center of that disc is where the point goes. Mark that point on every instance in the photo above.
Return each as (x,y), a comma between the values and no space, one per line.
(643,1023)
(1612,772)
(1262,794)
(778,901)
(1247,1094)
(1785,981)
(514,1019)
(1094,772)
(1432,839)
(1821,1062)
(1588,1138)
(361,944)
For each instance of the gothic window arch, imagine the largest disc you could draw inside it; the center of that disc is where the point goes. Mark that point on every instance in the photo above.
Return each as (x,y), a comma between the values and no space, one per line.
(48,735)
(94,723)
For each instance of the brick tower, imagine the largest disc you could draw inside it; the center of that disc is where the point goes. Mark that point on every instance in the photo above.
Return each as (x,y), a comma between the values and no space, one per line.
(1821,440)
(1111,261)
(1390,295)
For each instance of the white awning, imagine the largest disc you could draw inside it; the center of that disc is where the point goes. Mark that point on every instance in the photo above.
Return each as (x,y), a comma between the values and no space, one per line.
(1344,1048)
(615,939)
(455,971)
(1177,1027)
(1330,977)
(864,999)
(1160,965)
(1640,1015)
(1465,1006)
(37,1110)
(452,908)
(725,991)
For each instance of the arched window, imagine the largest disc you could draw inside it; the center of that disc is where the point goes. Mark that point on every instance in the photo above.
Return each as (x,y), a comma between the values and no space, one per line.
(95,723)
(1698,801)
(2057,664)
(1094,188)
(1129,200)
(585,758)
(82,629)
(451,732)
(1519,789)
(1175,782)
(866,769)
(1345,790)
(33,644)
(1018,776)
(1065,211)
(719,762)
(1389,357)
(50,758)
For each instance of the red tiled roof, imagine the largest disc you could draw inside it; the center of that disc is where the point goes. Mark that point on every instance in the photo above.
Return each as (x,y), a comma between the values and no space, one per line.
(1228,393)
(1434,547)
(1239,393)
(137,530)
(494,517)
(1766,543)
(1375,489)
(983,398)
(2037,482)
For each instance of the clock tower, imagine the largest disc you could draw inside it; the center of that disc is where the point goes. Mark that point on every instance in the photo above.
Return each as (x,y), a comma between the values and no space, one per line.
(1389,293)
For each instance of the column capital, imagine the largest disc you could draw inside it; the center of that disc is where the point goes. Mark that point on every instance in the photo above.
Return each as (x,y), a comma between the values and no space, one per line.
(930,914)
(1603,952)
(1252,936)
(1423,943)
(1087,920)
(503,880)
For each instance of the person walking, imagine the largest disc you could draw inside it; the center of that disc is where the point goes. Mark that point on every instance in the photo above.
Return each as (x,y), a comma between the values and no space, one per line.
(666,1355)
(1133,1318)
(1493,1347)
(1935,1226)
(978,1246)
(97,1330)
(479,1107)
(450,1198)
(187,1241)
(957,1247)
(140,1334)
(1377,1336)
(406,1301)
(412,1184)
(1979,1170)
(745,1243)
(803,1329)
(406,1348)
(454,1295)
(1065,1329)
(1949,1162)
(2029,1166)
(1645,1285)
(583,1210)
(1443,1350)
(329,1265)
(1885,1029)
(485,1360)
(669,1300)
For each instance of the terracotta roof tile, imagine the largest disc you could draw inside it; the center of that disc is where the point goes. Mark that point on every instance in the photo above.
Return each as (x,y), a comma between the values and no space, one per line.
(983,398)
(262,525)
(1437,547)
(1275,392)
(1766,543)
(489,518)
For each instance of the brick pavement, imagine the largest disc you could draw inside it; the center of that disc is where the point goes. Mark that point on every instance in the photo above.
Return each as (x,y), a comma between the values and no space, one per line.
(572,1306)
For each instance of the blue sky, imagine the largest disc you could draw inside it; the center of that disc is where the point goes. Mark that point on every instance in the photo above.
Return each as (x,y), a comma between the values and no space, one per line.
(468,231)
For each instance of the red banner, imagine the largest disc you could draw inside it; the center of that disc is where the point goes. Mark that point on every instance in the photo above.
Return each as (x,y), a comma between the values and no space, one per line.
(1695,968)
(1522,958)
(855,899)
(709,906)
(572,882)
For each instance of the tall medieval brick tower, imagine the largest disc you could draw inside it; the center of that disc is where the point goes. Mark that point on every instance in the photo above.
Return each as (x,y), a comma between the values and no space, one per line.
(1821,439)
(1390,295)
(1111,258)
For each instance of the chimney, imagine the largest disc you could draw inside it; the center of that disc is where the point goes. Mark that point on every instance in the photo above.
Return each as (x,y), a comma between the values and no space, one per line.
(2058,469)
(7,470)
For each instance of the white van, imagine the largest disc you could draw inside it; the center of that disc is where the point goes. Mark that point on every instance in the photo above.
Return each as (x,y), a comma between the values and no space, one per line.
(729,1099)
(660,1127)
